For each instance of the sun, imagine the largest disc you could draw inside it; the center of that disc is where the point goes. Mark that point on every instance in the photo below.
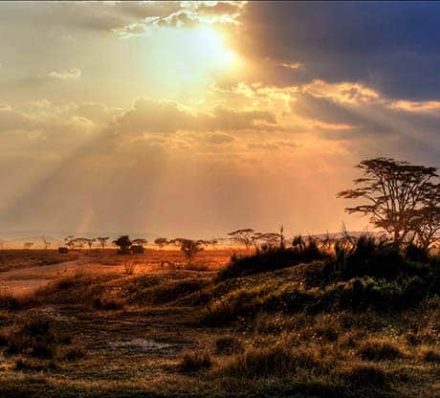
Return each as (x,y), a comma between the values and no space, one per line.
(192,58)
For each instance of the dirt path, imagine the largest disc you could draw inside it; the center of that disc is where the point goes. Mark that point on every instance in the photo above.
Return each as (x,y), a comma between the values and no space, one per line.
(27,280)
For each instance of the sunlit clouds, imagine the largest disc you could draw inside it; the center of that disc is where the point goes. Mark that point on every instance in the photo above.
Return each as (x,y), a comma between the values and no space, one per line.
(193,117)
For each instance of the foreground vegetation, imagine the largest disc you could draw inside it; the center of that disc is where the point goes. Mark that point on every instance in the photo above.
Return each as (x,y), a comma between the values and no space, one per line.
(354,320)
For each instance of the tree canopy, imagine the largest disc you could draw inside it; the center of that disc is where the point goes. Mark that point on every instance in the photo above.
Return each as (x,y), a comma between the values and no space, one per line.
(401,198)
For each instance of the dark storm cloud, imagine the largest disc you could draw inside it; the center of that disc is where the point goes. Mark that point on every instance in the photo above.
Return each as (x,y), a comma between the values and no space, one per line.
(392,47)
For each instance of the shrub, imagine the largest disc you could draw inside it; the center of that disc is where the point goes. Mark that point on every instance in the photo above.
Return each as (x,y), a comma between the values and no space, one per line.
(13,303)
(366,375)
(228,345)
(74,353)
(107,302)
(416,253)
(129,267)
(369,257)
(24,365)
(268,362)
(271,259)
(35,338)
(195,362)
(431,356)
(379,350)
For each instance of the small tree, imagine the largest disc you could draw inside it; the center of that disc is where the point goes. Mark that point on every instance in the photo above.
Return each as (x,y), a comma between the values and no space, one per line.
(89,242)
(243,237)
(102,241)
(69,241)
(393,192)
(139,242)
(124,244)
(266,240)
(190,248)
(46,243)
(161,242)
(28,245)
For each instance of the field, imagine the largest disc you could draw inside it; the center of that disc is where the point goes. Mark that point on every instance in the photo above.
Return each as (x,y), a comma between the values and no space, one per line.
(94,323)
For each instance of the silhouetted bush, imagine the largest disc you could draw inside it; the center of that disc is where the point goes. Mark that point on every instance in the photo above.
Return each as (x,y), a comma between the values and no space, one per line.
(431,356)
(379,350)
(366,375)
(278,361)
(271,259)
(195,362)
(370,257)
(228,345)
(416,253)
(35,337)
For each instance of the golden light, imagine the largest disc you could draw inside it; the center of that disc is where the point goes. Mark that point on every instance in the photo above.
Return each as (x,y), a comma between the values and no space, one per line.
(192,58)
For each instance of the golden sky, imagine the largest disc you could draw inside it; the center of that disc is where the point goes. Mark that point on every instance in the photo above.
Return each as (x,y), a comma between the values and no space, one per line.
(197,118)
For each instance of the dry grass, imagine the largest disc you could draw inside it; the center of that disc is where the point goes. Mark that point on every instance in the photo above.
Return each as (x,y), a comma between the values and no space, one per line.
(379,350)
(106,333)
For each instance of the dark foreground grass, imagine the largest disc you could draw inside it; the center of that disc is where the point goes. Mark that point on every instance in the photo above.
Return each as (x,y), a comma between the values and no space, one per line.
(284,332)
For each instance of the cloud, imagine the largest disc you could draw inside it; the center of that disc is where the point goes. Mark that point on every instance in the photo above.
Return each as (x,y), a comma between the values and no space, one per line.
(217,138)
(344,92)
(147,115)
(187,14)
(67,74)
(388,48)
(291,65)
(12,120)
(416,106)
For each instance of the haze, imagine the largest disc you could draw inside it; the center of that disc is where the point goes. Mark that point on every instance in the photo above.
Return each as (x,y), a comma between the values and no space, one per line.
(197,118)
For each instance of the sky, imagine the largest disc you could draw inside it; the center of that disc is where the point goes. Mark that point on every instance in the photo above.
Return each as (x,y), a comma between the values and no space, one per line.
(198,118)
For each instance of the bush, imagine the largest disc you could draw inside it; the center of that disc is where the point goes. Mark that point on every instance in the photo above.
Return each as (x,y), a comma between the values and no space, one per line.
(195,362)
(276,361)
(366,375)
(13,303)
(431,356)
(416,253)
(35,338)
(107,302)
(369,257)
(379,350)
(24,365)
(271,259)
(228,345)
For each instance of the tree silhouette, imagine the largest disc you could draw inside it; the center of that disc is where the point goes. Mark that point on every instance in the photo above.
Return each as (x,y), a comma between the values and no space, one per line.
(394,194)
(243,237)
(161,242)
(190,247)
(426,220)
(89,242)
(139,241)
(46,243)
(102,241)
(124,243)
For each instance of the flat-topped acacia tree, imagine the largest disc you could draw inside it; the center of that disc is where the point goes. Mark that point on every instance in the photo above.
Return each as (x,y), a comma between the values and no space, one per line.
(399,197)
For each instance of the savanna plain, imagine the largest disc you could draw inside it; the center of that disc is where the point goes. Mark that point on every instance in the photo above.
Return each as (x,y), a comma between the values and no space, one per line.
(309,319)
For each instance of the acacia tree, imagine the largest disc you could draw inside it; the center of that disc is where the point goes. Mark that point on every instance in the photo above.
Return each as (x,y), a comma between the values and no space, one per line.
(89,242)
(102,241)
(426,220)
(139,241)
(394,192)
(161,242)
(124,244)
(190,247)
(243,237)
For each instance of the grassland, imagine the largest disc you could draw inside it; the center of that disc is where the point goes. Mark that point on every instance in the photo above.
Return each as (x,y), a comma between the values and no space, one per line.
(100,324)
